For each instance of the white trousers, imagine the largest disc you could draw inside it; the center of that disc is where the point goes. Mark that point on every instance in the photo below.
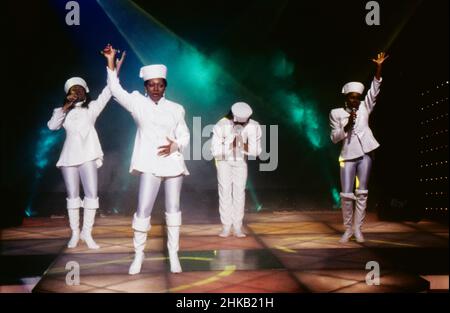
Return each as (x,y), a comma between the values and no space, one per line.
(359,167)
(148,191)
(89,179)
(231,177)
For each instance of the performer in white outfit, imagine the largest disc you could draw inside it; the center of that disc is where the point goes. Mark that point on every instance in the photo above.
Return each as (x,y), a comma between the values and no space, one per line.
(350,125)
(81,155)
(161,136)
(235,137)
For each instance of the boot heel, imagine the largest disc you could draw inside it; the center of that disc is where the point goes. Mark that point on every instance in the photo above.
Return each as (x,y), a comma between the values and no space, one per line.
(74,221)
(173,222)
(141,226)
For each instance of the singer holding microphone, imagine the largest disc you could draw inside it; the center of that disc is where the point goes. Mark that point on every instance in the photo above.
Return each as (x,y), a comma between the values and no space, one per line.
(81,154)
(350,125)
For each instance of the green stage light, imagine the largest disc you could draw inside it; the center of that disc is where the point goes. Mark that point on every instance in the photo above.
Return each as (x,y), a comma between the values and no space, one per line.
(47,140)
(336,198)
(305,117)
(281,67)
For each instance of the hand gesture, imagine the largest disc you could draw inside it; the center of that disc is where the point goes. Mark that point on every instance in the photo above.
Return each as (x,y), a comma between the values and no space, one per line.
(351,122)
(110,54)
(70,101)
(168,149)
(119,62)
(381,57)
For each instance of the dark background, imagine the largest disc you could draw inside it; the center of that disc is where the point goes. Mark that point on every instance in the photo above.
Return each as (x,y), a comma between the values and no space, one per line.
(326,43)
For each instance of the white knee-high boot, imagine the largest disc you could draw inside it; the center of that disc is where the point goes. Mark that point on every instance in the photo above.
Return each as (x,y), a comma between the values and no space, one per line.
(141,226)
(73,210)
(347,200)
(173,222)
(90,208)
(360,213)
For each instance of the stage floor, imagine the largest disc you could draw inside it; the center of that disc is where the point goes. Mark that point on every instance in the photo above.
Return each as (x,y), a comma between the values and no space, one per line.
(284,252)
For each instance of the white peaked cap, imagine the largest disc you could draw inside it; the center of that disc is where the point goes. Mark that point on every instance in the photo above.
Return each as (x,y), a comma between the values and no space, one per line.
(353,87)
(241,112)
(75,81)
(153,71)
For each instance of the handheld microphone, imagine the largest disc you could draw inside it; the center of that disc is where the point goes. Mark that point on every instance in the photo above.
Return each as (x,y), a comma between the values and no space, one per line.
(354,110)
(353,126)
(71,104)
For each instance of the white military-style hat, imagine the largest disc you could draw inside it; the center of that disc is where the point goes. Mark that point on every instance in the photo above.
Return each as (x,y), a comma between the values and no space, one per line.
(153,71)
(241,112)
(353,87)
(75,81)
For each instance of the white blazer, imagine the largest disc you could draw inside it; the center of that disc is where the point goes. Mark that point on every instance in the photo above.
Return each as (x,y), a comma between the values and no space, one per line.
(223,137)
(360,140)
(155,123)
(81,143)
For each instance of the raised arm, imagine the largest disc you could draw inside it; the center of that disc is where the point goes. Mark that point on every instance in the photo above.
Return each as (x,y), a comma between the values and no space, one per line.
(96,107)
(119,62)
(372,93)
(381,57)
(124,98)
(99,104)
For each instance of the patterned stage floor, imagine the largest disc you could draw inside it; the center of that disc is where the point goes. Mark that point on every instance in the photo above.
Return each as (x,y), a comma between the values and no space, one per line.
(287,252)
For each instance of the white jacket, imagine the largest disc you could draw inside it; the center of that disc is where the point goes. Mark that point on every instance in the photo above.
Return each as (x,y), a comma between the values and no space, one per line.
(223,137)
(82,143)
(155,123)
(360,140)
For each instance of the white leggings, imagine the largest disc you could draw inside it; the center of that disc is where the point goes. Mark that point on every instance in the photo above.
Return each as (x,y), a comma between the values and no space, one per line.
(359,167)
(88,174)
(148,190)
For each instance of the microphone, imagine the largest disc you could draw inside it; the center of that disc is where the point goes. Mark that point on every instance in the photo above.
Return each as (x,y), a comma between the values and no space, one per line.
(354,110)
(353,126)
(71,104)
